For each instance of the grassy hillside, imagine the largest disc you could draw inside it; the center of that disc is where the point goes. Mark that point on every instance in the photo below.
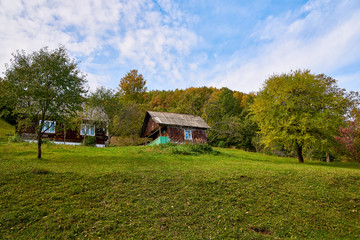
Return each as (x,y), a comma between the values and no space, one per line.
(148,193)
(5,129)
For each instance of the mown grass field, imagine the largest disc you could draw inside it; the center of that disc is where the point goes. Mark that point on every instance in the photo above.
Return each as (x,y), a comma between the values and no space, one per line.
(148,193)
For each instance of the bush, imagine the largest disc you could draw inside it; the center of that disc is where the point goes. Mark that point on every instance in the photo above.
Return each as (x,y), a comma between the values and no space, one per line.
(189,149)
(45,141)
(221,144)
(89,141)
(15,138)
(201,148)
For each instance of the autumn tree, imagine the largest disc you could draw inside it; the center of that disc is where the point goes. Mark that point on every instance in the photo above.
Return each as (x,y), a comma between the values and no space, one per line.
(300,110)
(43,85)
(132,86)
(349,141)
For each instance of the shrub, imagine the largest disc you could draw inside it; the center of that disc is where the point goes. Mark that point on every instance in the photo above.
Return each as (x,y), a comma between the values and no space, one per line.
(89,141)
(45,141)
(221,144)
(193,149)
(184,149)
(15,138)
(201,148)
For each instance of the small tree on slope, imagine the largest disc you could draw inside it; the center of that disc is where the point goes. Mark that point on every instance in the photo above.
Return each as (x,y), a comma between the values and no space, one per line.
(44,85)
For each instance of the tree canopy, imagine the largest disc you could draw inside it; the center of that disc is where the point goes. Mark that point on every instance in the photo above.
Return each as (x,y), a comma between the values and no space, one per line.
(46,84)
(300,110)
(122,117)
(132,86)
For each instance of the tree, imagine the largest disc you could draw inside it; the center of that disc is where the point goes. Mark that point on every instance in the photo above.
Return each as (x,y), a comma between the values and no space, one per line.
(121,116)
(299,110)
(43,85)
(132,86)
(349,141)
(230,106)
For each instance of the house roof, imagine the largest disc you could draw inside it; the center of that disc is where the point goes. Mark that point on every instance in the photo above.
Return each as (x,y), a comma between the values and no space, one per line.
(185,120)
(174,119)
(94,114)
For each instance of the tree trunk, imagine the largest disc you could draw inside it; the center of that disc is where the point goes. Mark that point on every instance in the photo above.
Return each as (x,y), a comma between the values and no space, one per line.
(39,146)
(64,133)
(299,153)
(328,157)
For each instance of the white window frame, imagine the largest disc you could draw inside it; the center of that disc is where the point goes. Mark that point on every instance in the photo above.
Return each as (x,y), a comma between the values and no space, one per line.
(187,134)
(86,128)
(48,127)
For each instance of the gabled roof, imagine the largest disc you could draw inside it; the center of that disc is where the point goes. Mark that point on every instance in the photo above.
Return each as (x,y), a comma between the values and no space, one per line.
(93,114)
(176,119)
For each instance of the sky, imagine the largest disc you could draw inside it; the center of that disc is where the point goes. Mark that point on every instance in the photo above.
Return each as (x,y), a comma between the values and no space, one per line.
(176,44)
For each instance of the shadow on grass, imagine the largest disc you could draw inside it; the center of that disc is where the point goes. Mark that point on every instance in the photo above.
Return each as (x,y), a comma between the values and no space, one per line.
(347,165)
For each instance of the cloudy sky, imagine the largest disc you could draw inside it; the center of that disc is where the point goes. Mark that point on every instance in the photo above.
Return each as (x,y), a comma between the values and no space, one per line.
(184,43)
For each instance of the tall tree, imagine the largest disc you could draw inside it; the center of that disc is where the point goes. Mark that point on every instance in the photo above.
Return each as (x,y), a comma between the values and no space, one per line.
(132,86)
(300,109)
(43,85)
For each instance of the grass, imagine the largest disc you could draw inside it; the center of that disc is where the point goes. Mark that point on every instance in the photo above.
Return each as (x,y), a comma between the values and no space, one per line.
(5,130)
(153,193)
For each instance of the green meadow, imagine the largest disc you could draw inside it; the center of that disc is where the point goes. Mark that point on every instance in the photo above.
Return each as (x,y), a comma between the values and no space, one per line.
(78,192)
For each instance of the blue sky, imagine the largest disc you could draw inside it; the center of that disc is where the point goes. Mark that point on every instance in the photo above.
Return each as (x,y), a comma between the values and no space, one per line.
(179,44)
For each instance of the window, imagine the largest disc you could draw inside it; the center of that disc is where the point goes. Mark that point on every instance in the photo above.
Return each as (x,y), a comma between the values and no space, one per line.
(49,126)
(188,135)
(87,129)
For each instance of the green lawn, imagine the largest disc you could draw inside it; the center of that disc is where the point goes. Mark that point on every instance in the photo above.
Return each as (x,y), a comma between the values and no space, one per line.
(5,130)
(148,193)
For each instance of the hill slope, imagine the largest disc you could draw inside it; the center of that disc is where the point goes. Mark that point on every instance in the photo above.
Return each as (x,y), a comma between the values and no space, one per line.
(5,129)
(147,193)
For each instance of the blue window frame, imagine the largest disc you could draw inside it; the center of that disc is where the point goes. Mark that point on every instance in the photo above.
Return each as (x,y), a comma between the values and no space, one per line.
(187,134)
(87,129)
(49,126)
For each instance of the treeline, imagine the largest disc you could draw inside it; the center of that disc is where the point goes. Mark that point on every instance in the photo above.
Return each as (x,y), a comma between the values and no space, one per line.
(226,111)
(294,114)
(319,124)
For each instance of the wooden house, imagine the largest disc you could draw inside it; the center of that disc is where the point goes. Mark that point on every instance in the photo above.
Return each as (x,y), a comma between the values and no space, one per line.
(56,132)
(164,127)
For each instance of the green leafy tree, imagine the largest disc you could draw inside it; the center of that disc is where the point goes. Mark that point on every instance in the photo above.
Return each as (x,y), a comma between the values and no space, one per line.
(300,110)
(43,85)
(132,86)
(122,117)
(230,106)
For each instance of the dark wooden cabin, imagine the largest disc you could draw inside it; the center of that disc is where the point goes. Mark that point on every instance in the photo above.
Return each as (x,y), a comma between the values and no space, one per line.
(176,128)
(58,133)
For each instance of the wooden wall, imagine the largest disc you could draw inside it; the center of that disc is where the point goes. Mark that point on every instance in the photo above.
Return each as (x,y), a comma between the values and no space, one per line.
(151,127)
(176,134)
(71,135)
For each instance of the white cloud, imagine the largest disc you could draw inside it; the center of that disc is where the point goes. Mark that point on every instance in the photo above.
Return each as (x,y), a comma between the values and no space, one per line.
(111,37)
(145,34)
(322,36)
